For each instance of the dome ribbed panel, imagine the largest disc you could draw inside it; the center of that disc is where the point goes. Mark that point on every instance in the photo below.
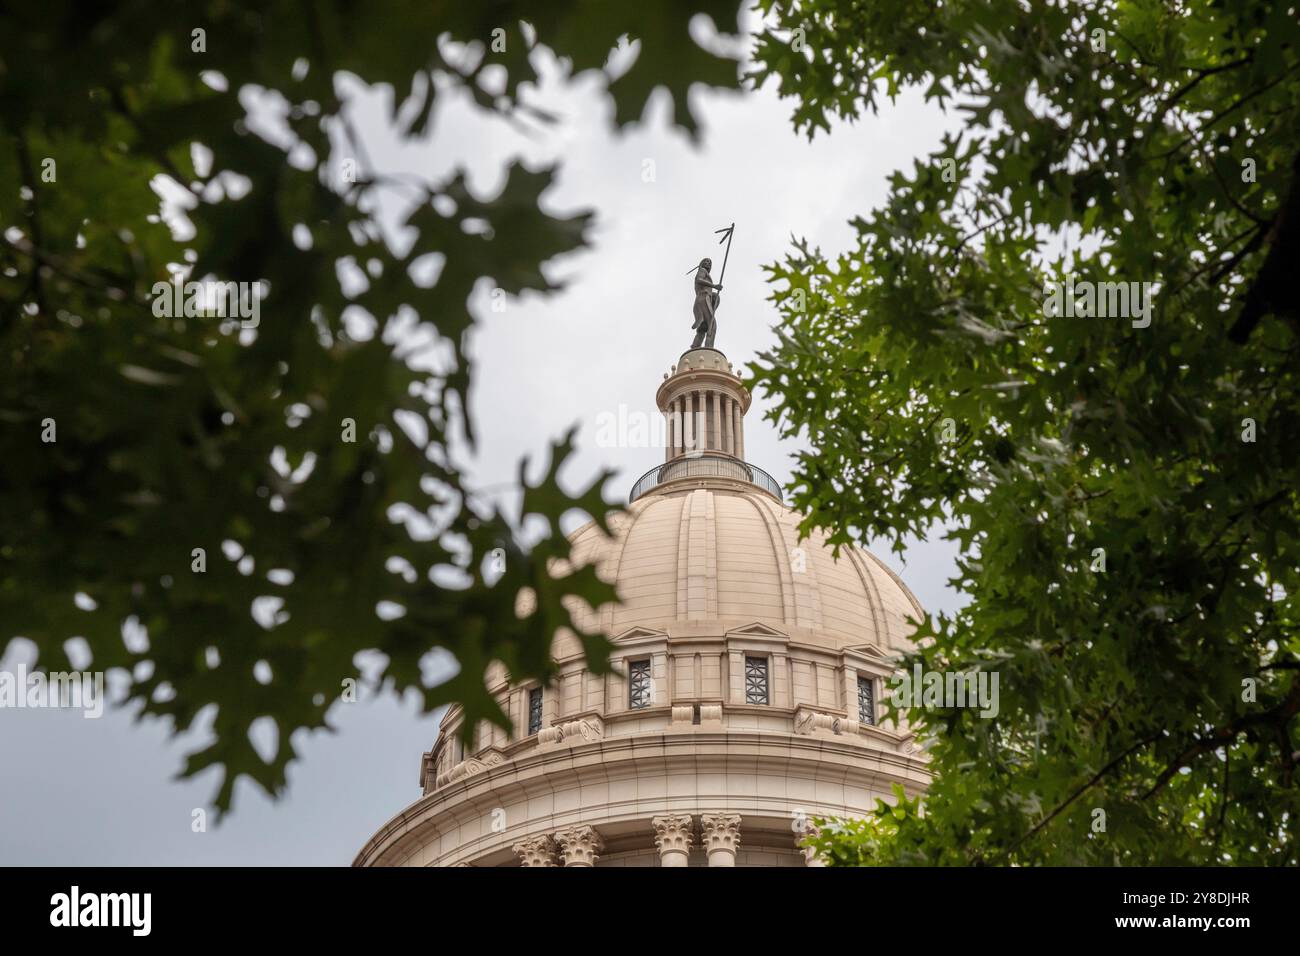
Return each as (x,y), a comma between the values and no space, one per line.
(749,572)
(847,606)
(647,570)
(802,599)
(899,603)
(697,561)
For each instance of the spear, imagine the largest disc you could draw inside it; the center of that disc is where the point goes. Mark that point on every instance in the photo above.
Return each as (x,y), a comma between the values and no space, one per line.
(727,239)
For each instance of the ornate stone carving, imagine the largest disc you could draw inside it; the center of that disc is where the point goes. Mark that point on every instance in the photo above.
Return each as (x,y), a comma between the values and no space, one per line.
(721,837)
(477,764)
(589,727)
(539,851)
(673,834)
(470,766)
(579,845)
(808,722)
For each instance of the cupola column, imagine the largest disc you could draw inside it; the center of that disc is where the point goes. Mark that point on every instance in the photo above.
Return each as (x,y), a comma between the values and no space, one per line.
(679,414)
(740,432)
(717,421)
(706,402)
(689,399)
(729,424)
(668,434)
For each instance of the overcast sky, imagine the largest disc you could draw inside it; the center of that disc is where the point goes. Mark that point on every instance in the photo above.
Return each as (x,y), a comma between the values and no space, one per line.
(99,792)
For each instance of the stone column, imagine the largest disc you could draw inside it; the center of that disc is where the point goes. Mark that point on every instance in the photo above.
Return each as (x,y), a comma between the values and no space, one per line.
(550,708)
(723,423)
(668,433)
(721,837)
(717,421)
(735,427)
(519,727)
(682,426)
(738,427)
(688,401)
(780,679)
(735,676)
(539,851)
(701,423)
(849,688)
(579,845)
(729,424)
(704,421)
(673,838)
(810,857)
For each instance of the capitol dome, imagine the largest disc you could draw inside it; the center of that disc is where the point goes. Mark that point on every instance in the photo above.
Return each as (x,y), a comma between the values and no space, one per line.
(749,669)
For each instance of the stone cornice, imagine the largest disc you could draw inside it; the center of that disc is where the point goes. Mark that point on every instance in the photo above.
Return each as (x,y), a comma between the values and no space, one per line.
(712,482)
(701,755)
(593,725)
(689,379)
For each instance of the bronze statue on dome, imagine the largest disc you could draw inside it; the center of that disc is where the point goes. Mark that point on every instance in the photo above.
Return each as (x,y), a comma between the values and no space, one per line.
(706,295)
(706,301)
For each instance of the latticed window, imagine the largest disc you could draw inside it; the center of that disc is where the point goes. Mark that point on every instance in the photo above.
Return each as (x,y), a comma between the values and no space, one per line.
(639,692)
(756,680)
(534,710)
(866,700)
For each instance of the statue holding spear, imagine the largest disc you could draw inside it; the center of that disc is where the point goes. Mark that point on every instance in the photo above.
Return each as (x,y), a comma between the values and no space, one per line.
(706,294)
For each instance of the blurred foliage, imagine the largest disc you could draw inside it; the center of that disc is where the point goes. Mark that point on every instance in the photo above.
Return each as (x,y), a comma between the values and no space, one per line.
(189,432)
(1117,141)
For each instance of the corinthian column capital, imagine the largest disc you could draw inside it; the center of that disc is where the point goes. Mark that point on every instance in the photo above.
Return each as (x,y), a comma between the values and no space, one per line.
(673,833)
(539,851)
(810,857)
(721,837)
(579,845)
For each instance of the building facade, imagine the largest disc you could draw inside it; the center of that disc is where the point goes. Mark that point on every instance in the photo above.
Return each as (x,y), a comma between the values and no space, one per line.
(750,670)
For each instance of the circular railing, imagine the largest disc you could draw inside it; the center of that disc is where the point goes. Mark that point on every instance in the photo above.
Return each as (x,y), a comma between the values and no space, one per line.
(705,466)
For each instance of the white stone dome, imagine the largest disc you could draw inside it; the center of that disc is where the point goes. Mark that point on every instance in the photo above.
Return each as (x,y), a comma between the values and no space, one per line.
(748,670)
(732,555)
